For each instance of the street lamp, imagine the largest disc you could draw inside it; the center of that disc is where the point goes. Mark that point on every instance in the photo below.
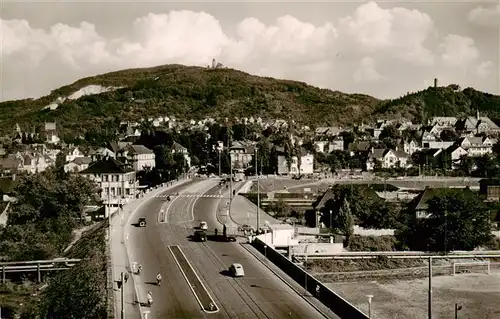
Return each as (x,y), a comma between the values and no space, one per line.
(369,305)
(457,309)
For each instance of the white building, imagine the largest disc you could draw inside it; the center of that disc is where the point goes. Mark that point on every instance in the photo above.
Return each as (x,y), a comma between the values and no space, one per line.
(279,235)
(116,180)
(140,156)
(77,165)
(74,153)
(306,165)
(179,149)
(387,158)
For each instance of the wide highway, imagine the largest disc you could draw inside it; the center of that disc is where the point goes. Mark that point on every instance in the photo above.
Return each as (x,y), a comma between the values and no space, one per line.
(195,280)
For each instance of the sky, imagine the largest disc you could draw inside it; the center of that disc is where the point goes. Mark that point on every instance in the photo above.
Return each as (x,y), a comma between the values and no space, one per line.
(384,49)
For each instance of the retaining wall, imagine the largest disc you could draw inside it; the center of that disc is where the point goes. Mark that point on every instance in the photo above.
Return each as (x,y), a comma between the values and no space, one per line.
(328,297)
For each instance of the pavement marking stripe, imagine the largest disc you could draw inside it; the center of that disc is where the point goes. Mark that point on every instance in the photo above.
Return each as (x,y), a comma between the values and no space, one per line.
(179,257)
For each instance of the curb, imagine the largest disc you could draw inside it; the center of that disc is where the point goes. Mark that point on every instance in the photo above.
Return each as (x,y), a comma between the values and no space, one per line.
(284,280)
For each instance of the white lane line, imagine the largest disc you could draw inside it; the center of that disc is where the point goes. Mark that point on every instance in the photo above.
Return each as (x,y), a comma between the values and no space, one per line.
(190,285)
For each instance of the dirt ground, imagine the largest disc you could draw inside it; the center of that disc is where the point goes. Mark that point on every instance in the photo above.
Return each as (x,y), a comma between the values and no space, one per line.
(478,294)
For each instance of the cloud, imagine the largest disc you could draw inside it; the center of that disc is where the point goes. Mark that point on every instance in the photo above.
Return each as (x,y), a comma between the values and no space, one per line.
(458,51)
(485,17)
(367,72)
(485,69)
(351,54)
(397,32)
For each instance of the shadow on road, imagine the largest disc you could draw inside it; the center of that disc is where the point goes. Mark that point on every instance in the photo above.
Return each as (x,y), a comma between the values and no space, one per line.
(152,283)
(226,273)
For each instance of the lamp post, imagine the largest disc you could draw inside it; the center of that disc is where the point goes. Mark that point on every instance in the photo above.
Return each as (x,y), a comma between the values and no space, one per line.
(457,309)
(258,189)
(369,305)
(122,295)
(429,301)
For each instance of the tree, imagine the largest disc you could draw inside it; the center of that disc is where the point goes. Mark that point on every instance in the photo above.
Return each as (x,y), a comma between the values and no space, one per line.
(449,135)
(496,149)
(344,221)
(59,165)
(458,220)
(389,131)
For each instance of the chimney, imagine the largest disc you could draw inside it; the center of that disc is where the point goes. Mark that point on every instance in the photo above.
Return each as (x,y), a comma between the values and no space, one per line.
(435,82)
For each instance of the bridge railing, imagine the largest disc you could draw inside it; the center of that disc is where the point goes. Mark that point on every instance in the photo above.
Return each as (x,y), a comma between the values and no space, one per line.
(36,265)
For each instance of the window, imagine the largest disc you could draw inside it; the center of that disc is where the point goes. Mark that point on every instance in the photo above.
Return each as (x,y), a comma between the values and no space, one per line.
(104,178)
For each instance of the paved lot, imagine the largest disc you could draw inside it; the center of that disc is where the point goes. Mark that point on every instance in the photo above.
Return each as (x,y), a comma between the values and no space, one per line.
(478,294)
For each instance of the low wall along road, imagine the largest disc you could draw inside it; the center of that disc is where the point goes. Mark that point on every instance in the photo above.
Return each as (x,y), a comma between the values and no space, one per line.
(328,297)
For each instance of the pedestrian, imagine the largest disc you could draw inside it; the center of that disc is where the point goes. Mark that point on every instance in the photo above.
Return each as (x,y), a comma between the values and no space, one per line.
(139,268)
(126,277)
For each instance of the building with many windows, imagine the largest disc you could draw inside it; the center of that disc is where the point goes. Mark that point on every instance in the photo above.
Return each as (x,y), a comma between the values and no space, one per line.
(116,180)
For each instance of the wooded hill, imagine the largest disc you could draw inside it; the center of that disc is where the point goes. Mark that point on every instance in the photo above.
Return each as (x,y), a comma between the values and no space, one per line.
(188,92)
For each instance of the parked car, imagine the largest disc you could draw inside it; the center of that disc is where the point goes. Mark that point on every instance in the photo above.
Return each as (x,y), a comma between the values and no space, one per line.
(246,227)
(236,270)
(142,222)
(203,225)
(200,235)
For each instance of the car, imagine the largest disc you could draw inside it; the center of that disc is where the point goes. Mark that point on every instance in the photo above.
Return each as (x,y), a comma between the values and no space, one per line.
(142,222)
(236,270)
(200,235)
(203,225)
(246,227)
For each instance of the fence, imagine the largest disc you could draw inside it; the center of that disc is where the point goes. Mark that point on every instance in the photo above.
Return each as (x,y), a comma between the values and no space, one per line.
(328,297)
(37,266)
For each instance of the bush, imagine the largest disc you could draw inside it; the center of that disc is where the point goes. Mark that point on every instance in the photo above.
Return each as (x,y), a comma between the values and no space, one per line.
(372,243)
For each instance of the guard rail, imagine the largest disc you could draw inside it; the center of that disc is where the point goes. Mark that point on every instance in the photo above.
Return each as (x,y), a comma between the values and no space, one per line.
(36,265)
(399,255)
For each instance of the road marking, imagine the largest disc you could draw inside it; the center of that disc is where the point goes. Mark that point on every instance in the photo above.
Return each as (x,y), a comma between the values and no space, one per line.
(199,290)
(164,211)
(190,195)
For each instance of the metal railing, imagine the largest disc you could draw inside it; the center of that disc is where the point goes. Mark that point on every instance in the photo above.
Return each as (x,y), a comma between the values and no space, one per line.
(36,265)
(398,255)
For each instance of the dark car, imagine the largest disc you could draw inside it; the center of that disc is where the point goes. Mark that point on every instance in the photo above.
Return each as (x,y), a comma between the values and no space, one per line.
(200,235)
(141,222)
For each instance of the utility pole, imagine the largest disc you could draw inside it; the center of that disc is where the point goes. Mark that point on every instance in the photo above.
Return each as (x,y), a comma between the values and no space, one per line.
(218,149)
(230,170)
(109,204)
(258,188)
(429,306)
(122,295)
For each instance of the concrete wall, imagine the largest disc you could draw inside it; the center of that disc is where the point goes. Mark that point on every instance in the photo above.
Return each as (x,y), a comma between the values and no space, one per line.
(326,248)
(358,230)
(328,297)
(246,187)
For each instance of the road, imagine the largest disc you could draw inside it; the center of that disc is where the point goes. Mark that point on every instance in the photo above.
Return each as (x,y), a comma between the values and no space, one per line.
(161,245)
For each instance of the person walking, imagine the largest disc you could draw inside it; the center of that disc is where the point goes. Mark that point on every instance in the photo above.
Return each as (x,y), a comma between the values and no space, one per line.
(158,279)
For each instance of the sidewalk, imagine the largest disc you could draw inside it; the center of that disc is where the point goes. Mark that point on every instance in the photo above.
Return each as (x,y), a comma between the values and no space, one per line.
(242,212)
(119,255)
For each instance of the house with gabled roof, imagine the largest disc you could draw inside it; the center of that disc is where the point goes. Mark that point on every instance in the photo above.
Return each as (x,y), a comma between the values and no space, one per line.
(141,157)
(477,124)
(387,158)
(476,146)
(179,149)
(116,180)
(421,202)
(306,163)
(78,164)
